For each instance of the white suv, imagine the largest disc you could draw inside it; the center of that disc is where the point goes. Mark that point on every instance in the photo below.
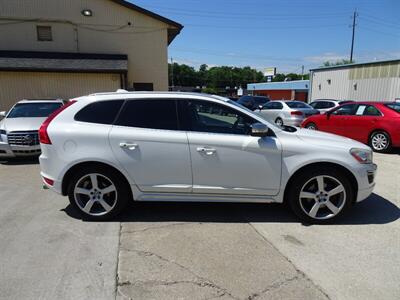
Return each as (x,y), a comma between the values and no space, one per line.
(106,149)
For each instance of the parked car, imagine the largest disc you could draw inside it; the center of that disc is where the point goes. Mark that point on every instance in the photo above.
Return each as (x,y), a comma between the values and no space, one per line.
(19,127)
(374,123)
(253,102)
(323,105)
(105,150)
(290,113)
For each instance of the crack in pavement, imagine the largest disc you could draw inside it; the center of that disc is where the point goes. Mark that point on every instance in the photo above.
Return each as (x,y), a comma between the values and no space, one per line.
(301,273)
(272,287)
(202,281)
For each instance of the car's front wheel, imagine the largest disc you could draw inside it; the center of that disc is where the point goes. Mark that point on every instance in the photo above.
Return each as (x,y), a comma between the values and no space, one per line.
(320,195)
(98,193)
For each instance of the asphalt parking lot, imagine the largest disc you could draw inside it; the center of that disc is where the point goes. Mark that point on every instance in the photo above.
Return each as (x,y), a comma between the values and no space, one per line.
(195,251)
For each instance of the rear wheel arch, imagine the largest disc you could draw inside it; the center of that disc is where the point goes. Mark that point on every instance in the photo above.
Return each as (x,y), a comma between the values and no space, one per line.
(305,168)
(68,175)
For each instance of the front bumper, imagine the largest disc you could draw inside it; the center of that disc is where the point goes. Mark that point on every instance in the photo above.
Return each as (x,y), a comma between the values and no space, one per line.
(366,181)
(10,151)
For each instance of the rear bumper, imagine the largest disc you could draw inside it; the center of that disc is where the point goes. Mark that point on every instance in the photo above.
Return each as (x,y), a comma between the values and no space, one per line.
(293,121)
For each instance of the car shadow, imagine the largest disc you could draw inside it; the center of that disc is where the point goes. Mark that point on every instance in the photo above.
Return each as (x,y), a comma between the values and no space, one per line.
(374,210)
(20,161)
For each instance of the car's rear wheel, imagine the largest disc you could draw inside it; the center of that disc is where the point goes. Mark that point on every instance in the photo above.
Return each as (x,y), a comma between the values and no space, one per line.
(320,196)
(311,126)
(279,122)
(380,141)
(98,193)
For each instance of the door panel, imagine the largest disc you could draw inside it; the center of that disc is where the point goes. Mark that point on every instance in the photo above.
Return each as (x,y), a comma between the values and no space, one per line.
(225,158)
(157,160)
(235,164)
(147,142)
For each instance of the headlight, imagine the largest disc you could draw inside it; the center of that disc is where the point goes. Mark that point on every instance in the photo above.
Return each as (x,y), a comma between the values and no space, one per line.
(361,155)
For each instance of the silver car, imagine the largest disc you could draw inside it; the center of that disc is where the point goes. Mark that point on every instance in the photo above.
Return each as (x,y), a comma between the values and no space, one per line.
(290,113)
(19,127)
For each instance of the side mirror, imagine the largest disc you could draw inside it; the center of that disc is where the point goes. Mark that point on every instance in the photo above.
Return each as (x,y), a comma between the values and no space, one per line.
(260,107)
(3,114)
(259,129)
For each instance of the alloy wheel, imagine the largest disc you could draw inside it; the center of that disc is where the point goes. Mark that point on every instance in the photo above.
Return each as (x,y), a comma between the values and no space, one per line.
(95,194)
(279,122)
(379,141)
(322,197)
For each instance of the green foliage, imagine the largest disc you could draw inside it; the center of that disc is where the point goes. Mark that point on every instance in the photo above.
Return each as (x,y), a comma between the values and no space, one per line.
(337,63)
(209,90)
(214,77)
(220,77)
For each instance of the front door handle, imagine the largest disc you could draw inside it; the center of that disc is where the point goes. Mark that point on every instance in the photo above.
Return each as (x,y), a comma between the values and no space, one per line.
(128,146)
(206,151)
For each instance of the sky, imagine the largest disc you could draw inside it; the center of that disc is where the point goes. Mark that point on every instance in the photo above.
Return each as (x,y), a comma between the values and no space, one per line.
(285,34)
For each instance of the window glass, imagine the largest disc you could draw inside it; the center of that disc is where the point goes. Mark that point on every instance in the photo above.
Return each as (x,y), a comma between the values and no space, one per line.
(149,113)
(33,110)
(346,110)
(394,106)
(371,111)
(204,116)
(297,104)
(276,105)
(103,112)
(360,110)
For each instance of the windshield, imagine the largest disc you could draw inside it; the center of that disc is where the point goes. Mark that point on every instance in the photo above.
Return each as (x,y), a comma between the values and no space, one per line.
(33,110)
(297,104)
(394,106)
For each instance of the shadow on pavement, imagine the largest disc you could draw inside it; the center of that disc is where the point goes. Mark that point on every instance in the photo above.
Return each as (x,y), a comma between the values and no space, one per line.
(374,210)
(20,161)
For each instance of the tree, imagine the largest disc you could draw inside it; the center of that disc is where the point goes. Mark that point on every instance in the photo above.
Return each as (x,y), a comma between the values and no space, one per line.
(337,63)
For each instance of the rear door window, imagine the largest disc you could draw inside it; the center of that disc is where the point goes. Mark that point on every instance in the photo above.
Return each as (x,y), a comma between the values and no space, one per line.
(102,112)
(149,113)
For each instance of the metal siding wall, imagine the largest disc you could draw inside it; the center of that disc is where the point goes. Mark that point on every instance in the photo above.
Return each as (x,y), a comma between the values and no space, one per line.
(15,86)
(379,82)
(338,89)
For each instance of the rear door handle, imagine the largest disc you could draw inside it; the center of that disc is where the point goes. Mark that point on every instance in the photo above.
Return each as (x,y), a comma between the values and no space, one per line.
(206,151)
(129,146)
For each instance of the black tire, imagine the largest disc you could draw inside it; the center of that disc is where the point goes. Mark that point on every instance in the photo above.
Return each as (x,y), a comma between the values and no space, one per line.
(122,194)
(298,205)
(279,121)
(375,146)
(311,126)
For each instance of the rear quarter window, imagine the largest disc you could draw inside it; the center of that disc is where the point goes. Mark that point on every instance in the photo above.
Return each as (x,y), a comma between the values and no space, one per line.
(102,112)
(394,106)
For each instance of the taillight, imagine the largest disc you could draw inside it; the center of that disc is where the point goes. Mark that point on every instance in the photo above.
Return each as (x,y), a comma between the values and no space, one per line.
(296,113)
(48,181)
(43,136)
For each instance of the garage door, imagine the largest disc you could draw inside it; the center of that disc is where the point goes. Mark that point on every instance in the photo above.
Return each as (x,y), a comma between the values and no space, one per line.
(15,86)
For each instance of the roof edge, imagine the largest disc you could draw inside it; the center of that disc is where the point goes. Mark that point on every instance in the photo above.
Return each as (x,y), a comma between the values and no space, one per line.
(356,64)
(172,32)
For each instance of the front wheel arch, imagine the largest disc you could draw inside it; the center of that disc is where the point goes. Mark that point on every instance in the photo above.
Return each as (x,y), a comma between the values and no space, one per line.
(341,168)
(68,175)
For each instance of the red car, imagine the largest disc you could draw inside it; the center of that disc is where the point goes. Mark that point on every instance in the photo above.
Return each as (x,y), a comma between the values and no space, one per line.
(374,123)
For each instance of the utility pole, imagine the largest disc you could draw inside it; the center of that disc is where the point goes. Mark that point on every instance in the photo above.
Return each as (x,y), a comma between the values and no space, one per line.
(352,37)
(302,72)
(172,73)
